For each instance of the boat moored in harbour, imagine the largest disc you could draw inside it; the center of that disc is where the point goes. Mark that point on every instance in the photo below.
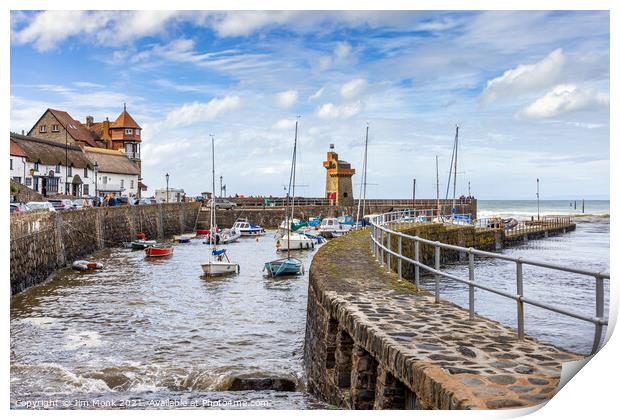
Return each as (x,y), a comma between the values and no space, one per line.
(84,265)
(159,251)
(248,229)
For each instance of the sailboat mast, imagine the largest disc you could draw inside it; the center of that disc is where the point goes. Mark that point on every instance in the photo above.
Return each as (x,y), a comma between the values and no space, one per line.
(437,177)
(291,184)
(363,184)
(456,155)
(212,231)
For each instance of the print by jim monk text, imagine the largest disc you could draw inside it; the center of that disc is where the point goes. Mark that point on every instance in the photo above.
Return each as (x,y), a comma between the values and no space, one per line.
(129,403)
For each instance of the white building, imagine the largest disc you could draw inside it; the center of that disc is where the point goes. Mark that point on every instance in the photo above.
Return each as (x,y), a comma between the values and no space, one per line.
(51,168)
(171,195)
(116,173)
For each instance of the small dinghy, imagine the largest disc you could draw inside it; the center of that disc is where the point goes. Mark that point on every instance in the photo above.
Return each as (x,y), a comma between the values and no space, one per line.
(228,236)
(184,238)
(284,267)
(202,232)
(159,251)
(220,265)
(84,265)
(141,244)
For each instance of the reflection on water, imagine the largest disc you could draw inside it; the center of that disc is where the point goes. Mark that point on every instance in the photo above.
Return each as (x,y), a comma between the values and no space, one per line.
(586,248)
(145,329)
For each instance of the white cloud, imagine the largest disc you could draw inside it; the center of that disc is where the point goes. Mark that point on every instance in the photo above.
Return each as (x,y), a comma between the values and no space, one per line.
(353,89)
(565,98)
(317,94)
(526,78)
(330,110)
(342,50)
(197,112)
(287,99)
(284,124)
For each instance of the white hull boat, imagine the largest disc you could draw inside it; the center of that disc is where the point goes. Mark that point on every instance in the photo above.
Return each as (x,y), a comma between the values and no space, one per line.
(247,229)
(228,236)
(219,268)
(295,241)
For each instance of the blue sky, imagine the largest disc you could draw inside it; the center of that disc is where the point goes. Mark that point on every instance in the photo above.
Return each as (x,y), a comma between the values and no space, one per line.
(530,91)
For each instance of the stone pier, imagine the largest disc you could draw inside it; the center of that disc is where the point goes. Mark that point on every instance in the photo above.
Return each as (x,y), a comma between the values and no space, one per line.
(373,342)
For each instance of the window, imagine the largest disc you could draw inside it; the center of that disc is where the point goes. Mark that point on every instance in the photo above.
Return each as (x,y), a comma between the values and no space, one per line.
(105,179)
(85,172)
(85,189)
(57,168)
(52,185)
(137,131)
(122,183)
(131,184)
(55,128)
(11,163)
(128,131)
(28,181)
(36,166)
(70,171)
(42,129)
(17,179)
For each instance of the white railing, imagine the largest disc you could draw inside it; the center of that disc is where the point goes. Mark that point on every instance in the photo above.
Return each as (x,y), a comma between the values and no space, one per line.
(381,236)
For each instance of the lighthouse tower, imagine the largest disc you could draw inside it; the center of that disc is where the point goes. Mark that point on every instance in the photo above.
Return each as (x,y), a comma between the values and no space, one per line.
(338,185)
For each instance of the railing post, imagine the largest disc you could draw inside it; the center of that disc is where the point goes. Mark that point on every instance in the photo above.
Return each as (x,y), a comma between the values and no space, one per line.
(471,286)
(389,255)
(382,245)
(400,254)
(520,321)
(437,267)
(416,245)
(600,310)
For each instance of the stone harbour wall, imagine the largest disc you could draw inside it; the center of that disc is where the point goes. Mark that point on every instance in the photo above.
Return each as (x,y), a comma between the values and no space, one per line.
(374,342)
(43,241)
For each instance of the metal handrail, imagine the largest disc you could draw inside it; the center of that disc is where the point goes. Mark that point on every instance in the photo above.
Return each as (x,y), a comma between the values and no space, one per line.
(381,234)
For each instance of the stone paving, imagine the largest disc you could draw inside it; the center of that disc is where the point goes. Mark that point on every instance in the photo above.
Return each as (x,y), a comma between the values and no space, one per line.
(447,360)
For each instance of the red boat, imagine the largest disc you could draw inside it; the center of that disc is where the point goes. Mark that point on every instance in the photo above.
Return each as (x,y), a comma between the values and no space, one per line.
(202,232)
(140,236)
(158,251)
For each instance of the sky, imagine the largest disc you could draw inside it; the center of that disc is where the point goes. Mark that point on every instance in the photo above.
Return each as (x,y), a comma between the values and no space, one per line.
(529,91)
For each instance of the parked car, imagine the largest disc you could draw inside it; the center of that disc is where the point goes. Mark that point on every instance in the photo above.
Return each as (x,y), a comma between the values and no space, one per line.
(62,204)
(144,201)
(124,201)
(222,203)
(37,205)
(78,204)
(18,208)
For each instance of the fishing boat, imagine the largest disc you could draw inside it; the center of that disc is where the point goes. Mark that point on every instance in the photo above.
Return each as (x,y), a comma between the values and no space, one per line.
(248,229)
(331,227)
(141,244)
(84,265)
(220,264)
(159,250)
(289,265)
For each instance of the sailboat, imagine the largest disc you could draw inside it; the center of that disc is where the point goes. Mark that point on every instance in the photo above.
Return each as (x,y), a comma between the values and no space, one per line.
(288,265)
(291,238)
(362,199)
(220,263)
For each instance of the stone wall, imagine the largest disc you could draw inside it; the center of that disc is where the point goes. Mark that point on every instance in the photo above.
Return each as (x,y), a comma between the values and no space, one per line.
(23,194)
(374,342)
(43,241)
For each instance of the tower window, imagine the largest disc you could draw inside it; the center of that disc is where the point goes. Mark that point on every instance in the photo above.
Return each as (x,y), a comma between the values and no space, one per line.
(128,131)
(55,128)
(42,129)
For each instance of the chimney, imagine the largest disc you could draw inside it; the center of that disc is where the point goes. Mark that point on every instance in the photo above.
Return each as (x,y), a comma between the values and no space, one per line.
(89,121)
(331,146)
(23,133)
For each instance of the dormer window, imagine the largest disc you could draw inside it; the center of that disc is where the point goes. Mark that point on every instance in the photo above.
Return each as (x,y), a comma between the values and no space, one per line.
(55,128)
(128,131)
(42,129)
(70,171)
(137,131)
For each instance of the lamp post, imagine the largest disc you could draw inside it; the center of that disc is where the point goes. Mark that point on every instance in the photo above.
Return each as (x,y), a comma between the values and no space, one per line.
(96,167)
(167,190)
(538,196)
(414,181)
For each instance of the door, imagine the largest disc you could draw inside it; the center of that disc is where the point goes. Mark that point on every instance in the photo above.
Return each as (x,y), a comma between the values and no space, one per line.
(44,187)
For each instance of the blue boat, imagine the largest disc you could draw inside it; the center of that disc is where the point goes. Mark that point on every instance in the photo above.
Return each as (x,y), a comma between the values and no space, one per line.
(284,267)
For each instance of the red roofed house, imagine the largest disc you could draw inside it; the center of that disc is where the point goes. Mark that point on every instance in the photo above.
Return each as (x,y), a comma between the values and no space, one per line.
(18,163)
(123,134)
